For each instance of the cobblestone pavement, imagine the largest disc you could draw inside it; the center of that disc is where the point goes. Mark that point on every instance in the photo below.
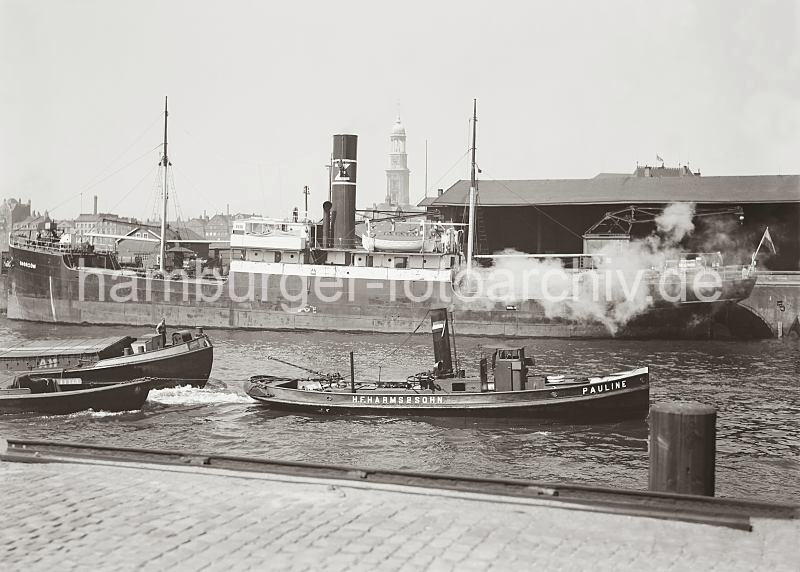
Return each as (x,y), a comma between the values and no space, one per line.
(122,517)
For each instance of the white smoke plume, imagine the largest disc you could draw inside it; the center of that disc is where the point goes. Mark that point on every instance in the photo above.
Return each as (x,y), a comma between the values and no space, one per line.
(613,292)
(675,222)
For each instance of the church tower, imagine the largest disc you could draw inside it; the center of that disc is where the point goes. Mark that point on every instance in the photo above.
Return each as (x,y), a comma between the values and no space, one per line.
(397,173)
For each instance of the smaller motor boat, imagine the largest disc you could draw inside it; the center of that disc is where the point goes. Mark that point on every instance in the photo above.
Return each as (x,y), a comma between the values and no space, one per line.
(46,396)
(183,358)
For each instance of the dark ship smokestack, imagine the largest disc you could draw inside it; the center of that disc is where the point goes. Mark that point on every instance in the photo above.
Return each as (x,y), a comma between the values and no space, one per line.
(440,328)
(326,224)
(343,190)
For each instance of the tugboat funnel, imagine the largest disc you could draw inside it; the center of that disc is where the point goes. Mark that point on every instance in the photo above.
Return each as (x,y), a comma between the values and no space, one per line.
(440,329)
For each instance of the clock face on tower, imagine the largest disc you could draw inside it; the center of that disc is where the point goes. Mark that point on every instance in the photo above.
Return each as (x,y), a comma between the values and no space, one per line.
(395,162)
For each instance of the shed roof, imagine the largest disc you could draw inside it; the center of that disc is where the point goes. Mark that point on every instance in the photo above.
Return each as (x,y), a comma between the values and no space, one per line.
(628,189)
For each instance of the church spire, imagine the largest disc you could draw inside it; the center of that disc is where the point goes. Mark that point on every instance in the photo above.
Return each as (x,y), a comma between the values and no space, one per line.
(397,175)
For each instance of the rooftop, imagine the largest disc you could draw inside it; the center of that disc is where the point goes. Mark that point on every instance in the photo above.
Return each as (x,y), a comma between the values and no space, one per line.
(626,189)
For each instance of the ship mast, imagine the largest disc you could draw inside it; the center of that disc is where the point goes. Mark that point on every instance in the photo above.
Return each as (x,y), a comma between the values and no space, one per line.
(472,190)
(165,164)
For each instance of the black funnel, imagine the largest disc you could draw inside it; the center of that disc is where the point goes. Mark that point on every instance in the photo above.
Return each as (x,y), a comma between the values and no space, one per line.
(440,328)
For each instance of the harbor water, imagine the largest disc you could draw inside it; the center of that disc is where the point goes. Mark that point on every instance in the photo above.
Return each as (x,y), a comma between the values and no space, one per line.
(755,385)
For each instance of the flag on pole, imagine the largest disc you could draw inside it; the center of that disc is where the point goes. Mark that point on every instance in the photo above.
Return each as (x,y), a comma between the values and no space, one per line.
(767,239)
(658,158)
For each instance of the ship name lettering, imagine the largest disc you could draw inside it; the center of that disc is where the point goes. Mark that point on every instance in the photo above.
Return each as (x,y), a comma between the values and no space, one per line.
(26,264)
(604,387)
(400,400)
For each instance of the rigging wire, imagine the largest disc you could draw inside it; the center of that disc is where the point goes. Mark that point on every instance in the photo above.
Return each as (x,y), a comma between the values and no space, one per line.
(155,196)
(62,203)
(530,204)
(160,115)
(214,152)
(125,196)
(401,344)
(197,189)
(461,158)
(180,221)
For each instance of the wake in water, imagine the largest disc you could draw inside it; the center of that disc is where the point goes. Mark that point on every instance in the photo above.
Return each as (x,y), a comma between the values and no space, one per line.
(187,395)
(90,414)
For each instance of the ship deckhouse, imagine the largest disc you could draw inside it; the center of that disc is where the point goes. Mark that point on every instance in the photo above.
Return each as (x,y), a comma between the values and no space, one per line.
(346,243)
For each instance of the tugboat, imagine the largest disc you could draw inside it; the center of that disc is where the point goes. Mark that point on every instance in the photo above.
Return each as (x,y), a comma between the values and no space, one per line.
(507,386)
(185,359)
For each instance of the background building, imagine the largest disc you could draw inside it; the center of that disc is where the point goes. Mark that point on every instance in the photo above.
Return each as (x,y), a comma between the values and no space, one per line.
(12,212)
(551,216)
(397,175)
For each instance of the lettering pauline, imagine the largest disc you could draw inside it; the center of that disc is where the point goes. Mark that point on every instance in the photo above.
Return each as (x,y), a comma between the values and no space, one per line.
(605,387)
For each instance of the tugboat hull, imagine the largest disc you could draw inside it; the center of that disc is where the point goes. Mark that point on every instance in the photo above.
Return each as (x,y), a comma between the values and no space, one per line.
(618,397)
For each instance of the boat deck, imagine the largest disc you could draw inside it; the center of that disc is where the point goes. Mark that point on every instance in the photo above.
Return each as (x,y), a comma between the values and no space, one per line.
(36,348)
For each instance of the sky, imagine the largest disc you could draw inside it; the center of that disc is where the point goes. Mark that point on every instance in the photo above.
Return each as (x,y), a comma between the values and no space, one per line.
(257,89)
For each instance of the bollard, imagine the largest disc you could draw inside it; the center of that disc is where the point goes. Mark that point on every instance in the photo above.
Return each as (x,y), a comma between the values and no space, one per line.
(682,448)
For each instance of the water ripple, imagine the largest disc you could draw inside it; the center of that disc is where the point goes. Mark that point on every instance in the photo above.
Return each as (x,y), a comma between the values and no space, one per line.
(754,385)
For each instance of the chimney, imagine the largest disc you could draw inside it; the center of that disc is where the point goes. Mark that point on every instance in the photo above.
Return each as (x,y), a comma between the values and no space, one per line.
(228,209)
(95,204)
(440,192)
(343,190)
(440,328)
(326,224)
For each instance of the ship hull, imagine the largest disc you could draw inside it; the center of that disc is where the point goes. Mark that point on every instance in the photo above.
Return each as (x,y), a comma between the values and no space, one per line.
(45,289)
(120,397)
(623,399)
(172,368)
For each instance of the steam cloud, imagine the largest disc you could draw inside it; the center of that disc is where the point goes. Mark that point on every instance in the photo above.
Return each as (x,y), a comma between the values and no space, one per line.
(676,221)
(613,293)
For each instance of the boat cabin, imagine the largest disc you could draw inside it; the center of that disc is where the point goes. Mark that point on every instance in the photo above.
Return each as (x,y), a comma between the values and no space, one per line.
(509,368)
(414,245)
(153,342)
(502,367)
(147,343)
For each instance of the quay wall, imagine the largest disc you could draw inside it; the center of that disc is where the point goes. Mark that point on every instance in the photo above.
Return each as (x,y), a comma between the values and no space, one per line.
(775,304)
(195,511)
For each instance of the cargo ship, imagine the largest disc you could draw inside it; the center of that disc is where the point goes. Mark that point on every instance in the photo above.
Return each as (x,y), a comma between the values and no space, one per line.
(337,275)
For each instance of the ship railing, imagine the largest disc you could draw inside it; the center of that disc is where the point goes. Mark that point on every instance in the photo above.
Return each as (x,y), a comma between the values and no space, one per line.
(788,273)
(429,247)
(51,247)
(696,263)
(154,274)
(42,245)
(778,277)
